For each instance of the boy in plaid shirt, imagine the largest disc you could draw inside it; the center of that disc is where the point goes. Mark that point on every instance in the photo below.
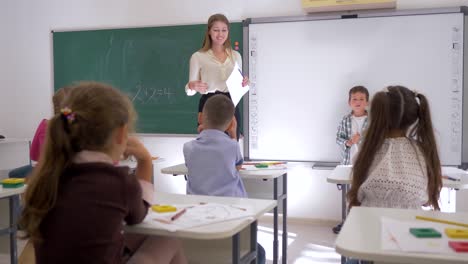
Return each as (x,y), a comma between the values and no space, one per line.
(351,127)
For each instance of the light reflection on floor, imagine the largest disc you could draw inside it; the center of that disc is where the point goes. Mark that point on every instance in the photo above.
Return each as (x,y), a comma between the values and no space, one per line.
(308,252)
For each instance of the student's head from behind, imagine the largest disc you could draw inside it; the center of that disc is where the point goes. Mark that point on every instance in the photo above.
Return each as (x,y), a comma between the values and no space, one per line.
(217,32)
(94,117)
(218,113)
(358,99)
(59,97)
(399,112)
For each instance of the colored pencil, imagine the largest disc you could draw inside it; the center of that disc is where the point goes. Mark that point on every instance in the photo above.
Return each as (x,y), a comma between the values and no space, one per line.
(179,214)
(440,221)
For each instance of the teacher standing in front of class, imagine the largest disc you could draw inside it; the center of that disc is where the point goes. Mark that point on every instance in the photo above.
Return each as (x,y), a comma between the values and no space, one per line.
(212,64)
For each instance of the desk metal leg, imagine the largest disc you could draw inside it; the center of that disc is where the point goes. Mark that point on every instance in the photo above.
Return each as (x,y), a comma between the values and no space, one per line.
(235,249)
(253,242)
(344,191)
(275,222)
(282,199)
(343,202)
(14,205)
(285,215)
(251,256)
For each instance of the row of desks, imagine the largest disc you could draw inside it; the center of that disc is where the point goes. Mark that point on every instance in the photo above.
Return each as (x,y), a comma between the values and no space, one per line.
(346,244)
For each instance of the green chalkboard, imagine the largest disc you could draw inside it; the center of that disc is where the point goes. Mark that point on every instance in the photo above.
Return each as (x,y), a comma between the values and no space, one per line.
(150,64)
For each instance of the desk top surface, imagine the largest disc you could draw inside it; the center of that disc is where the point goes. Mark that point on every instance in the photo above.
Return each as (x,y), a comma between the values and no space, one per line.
(212,231)
(342,175)
(360,236)
(181,169)
(6,192)
(13,140)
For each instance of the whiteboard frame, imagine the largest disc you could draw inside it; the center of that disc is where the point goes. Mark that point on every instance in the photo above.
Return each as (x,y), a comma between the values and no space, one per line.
(361,14)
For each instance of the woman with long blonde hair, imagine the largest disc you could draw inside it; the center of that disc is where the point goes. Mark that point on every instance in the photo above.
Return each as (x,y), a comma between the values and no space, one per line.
(212,64)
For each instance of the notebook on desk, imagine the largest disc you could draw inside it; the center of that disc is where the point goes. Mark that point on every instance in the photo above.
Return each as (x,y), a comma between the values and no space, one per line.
(193,215)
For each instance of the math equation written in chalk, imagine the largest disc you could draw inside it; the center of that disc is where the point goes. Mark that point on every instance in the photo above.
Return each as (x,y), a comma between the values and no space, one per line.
(148,95)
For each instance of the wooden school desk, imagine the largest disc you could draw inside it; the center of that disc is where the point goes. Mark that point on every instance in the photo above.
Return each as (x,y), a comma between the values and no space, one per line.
(181,169)
(342,175)
(231,228)
(360,236)
(12,194)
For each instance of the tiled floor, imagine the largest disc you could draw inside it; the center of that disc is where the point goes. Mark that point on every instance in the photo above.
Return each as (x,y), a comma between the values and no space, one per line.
(307,244)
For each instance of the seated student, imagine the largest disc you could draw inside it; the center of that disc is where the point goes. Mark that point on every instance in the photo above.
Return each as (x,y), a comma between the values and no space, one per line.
(214,158)
(39,137)
(77,200)
(398,164)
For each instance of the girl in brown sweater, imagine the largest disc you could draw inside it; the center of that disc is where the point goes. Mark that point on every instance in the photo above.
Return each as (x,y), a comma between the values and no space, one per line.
(77,200)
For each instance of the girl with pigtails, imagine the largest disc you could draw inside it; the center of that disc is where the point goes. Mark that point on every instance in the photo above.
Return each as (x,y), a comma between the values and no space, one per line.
(398,164)
(77,200)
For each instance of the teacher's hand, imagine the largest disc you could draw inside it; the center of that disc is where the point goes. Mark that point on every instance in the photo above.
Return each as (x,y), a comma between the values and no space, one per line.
(198,86)
(245,81)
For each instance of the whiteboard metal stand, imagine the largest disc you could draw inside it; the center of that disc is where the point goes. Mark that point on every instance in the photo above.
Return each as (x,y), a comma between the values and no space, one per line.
(13,196)
(181,169)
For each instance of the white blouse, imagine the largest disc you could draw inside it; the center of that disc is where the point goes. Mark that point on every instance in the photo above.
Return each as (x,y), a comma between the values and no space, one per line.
(206,67)
(397,177)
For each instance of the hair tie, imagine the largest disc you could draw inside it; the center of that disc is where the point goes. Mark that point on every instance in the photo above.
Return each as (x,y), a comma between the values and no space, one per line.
(68,114)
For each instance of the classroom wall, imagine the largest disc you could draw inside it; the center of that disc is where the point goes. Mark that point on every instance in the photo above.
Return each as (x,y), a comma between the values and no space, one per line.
(26,71)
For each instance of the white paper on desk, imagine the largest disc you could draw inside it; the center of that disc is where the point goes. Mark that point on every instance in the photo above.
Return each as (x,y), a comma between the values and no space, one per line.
(198,215)
(234,84)
(396,237)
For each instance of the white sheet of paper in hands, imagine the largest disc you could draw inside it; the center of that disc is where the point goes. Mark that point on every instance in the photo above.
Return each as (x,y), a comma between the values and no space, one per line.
(234,84)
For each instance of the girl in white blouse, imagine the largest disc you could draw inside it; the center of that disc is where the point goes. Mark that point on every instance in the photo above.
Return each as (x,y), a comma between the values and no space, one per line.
(398,165)
(213,63)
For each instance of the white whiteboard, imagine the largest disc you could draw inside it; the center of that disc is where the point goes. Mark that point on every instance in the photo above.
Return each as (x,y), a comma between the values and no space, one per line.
(301,72)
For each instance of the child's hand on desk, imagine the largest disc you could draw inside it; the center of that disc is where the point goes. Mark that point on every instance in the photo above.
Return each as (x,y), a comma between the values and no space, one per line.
(137,149)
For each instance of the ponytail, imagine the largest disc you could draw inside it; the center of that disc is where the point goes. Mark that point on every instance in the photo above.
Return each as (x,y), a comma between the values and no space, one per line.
(424,134)
(96,110)
(374,137)
(41,194)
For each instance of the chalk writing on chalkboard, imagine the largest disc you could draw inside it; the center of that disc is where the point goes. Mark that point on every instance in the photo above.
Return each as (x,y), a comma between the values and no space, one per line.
(147,95)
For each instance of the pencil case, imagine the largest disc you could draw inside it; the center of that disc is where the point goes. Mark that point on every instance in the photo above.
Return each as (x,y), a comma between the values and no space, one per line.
(163,208)
(13,182)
